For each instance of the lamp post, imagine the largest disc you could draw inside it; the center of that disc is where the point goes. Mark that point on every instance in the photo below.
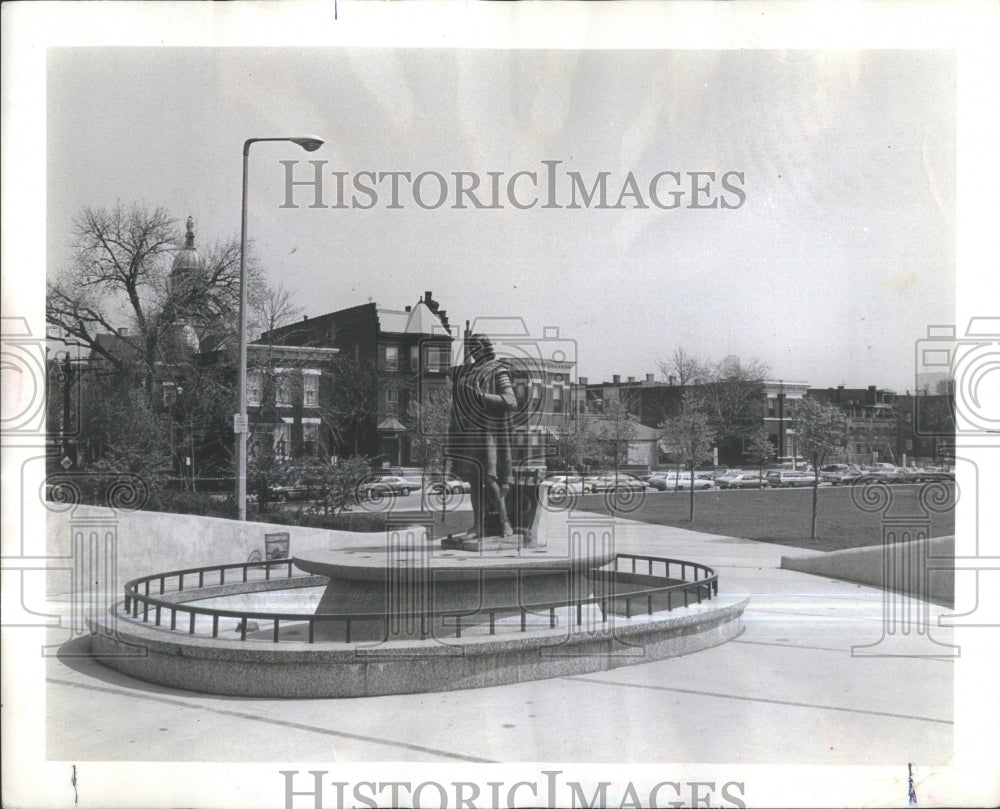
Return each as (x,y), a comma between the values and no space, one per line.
(240,425)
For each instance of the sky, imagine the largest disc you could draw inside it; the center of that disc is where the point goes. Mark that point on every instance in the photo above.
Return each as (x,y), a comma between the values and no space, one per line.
(840,256)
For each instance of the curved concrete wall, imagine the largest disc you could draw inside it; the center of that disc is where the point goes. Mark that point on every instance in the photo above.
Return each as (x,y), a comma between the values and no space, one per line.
(136,543)
(866,566)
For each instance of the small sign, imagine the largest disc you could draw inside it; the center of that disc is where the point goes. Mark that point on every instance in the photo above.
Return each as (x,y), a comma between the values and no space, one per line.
(240,423)
(66,463)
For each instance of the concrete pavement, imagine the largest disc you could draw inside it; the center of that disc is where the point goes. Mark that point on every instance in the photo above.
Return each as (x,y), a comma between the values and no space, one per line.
(788,691)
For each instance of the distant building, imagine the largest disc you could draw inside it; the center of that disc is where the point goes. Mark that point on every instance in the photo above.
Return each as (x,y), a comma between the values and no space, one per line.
(780,407)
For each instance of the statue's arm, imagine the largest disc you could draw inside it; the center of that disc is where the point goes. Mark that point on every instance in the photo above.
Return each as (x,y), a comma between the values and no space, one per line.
(504,400)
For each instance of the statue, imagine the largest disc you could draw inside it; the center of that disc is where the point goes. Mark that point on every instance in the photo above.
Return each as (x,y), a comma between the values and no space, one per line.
(479,434)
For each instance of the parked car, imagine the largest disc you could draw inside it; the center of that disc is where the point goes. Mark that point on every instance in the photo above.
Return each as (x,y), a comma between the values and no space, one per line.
(445,484)
(565,484)
(386,485)
(844,477)
(728,474)
(931,473)
(834,473)
(887,473)
(788,478)
(742,480)
(299,490)
(671,481)
(612,482)
(598,483)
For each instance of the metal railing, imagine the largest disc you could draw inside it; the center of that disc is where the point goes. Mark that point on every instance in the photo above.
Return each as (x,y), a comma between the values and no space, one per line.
(704,585)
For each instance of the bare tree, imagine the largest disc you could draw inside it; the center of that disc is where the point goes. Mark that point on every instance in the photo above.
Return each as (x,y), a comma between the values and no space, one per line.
(819,430)
(683,368)
(357,387)
(688,437)
(120,271)
(615,430)
(272,308)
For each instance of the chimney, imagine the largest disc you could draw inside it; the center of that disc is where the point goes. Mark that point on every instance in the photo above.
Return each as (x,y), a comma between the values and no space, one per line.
(583,381)
(408,308)
(305,317)
(616,379)
(123,332)
(428,296)
(631,380)
(649,377)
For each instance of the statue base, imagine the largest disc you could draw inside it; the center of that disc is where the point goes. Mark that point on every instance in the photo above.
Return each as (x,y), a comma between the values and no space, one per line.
(463,542)
(522,503)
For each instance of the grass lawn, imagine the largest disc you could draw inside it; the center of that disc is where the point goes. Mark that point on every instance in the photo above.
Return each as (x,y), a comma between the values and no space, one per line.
(781,516)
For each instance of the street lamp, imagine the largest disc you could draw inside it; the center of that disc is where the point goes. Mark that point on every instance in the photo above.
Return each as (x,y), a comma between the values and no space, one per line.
(240,425)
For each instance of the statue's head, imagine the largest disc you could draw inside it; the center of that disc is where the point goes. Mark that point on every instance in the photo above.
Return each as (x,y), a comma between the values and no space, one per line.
(479,347)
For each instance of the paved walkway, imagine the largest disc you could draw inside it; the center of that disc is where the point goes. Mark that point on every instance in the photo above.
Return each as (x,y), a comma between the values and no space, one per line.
(788,691)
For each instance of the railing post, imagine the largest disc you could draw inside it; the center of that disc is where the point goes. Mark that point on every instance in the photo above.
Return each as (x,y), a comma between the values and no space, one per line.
(191,626)
(215,626)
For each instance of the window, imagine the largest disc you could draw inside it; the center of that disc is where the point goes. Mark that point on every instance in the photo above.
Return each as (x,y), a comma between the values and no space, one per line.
(310,389)
(253,388)
(438,358)
(310,437)
(262,440)
(390,358)
(557,398)
(414,358)
(169,394)
(391,401)
(282,390)
(282,440)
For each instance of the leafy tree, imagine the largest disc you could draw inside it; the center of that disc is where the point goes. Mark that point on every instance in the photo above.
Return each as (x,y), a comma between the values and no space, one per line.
(731,393)
(732,397)
(819,430)
(578,443)
(760,450)
(688,437)
(342,480)
(428,422)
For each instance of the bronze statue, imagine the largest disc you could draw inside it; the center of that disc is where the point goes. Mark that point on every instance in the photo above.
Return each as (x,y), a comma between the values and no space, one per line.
(479,434)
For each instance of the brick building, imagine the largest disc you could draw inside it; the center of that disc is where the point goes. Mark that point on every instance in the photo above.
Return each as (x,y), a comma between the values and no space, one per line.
(387,357)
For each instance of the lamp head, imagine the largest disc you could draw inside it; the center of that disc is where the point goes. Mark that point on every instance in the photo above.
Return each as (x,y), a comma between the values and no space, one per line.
(309,144)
